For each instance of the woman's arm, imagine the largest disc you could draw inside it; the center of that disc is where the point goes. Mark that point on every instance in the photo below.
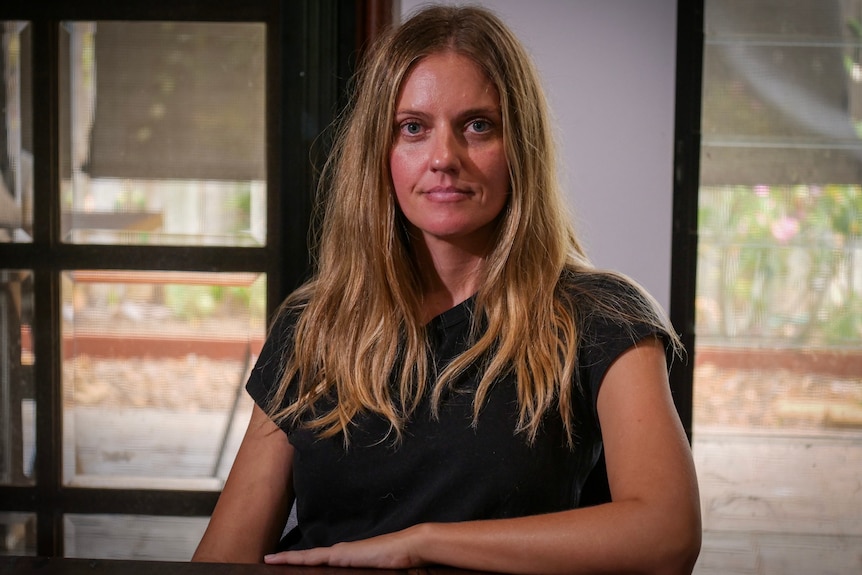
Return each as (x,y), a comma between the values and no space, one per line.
(255,502)
(652,525)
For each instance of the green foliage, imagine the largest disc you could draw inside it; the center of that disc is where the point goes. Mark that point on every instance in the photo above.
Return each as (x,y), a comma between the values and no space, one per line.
(197,302)
(781,264)
(192,302)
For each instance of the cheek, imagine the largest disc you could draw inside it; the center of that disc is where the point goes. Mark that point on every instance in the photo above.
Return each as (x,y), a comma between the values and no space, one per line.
(406,168)
(497,173)
(400,172)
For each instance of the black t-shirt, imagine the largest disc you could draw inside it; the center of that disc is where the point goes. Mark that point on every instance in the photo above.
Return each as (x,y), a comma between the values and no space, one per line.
(443,469)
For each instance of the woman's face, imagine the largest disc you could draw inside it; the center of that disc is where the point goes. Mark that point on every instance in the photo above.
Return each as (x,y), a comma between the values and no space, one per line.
(448,162)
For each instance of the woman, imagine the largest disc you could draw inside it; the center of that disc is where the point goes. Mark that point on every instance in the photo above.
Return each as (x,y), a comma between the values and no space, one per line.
(442,387)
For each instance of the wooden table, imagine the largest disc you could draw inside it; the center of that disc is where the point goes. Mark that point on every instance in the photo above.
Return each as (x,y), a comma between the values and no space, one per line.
(60,566)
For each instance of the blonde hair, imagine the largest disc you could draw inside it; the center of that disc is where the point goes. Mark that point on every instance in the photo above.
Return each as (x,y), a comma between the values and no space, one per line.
(359,321)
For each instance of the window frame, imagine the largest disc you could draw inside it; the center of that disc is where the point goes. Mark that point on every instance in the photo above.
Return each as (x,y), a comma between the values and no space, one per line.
(686,187)
(310,48)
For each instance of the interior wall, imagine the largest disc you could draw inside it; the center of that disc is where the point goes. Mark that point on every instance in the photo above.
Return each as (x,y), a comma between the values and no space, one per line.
(609,70)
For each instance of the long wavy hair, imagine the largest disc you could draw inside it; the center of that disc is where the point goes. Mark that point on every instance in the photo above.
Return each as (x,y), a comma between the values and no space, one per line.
(359,326)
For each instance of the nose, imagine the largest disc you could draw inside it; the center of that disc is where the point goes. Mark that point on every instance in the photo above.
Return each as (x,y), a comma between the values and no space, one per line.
(445,152)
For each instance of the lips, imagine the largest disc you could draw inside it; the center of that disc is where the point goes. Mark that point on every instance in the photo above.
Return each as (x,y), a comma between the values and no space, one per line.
(447,194)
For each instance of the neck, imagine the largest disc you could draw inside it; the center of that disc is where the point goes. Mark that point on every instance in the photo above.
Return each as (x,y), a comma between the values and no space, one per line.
(450,275)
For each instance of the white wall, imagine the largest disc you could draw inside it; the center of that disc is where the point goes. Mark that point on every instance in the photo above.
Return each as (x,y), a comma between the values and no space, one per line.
(609,69)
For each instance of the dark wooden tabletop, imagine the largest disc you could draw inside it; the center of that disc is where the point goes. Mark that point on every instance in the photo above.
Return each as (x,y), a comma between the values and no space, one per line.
(59,566)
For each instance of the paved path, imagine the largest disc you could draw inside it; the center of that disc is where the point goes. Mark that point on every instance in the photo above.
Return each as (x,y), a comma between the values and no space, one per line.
(780,505)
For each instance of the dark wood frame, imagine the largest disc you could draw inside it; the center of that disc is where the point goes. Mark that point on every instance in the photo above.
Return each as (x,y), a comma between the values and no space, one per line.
(311,51)
(686,185)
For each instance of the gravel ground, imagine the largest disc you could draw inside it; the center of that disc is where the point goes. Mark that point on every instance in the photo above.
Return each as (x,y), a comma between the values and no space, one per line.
(193,383)
(775,399)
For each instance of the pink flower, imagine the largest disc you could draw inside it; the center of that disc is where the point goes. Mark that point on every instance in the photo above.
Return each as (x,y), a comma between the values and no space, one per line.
(785,228)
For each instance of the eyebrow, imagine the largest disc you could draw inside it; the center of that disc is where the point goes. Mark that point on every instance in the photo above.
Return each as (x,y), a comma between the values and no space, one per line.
(482,111)
(487,111)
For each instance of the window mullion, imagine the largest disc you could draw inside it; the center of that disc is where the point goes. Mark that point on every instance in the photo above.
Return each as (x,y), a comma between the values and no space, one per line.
(47,372)
(685,198)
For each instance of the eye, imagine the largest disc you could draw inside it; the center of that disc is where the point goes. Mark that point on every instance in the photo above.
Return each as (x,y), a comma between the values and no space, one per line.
(480,126)
(411,128)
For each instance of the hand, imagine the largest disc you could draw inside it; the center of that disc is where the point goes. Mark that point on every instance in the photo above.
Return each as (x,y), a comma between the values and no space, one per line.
(391,551)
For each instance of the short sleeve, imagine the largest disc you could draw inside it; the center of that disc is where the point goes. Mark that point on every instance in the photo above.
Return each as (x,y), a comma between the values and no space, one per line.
(268,370)
(607,342)
(606,334)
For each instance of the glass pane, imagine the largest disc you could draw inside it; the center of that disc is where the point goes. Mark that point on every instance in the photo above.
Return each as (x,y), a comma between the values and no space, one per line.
(778,372)
(781,94)
(139,537)
(163,133)
(17,534)
(16,133)
(154,365)
(17,405)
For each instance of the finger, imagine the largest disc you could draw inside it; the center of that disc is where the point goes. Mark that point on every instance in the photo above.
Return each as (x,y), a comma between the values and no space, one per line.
(305,557)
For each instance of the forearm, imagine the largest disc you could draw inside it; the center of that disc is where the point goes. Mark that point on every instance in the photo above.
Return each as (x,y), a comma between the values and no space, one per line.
(623,537)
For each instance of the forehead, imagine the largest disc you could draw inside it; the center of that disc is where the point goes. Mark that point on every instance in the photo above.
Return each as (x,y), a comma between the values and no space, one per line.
(447,77)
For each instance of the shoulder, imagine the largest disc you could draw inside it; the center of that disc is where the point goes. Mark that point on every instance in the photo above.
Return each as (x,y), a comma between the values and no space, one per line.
(267,372)
(613,312)
(288,316)
(285,321)
(597,294)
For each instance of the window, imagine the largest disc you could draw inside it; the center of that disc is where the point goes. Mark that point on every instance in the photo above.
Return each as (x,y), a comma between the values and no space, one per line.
(777,377)
(156,169)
